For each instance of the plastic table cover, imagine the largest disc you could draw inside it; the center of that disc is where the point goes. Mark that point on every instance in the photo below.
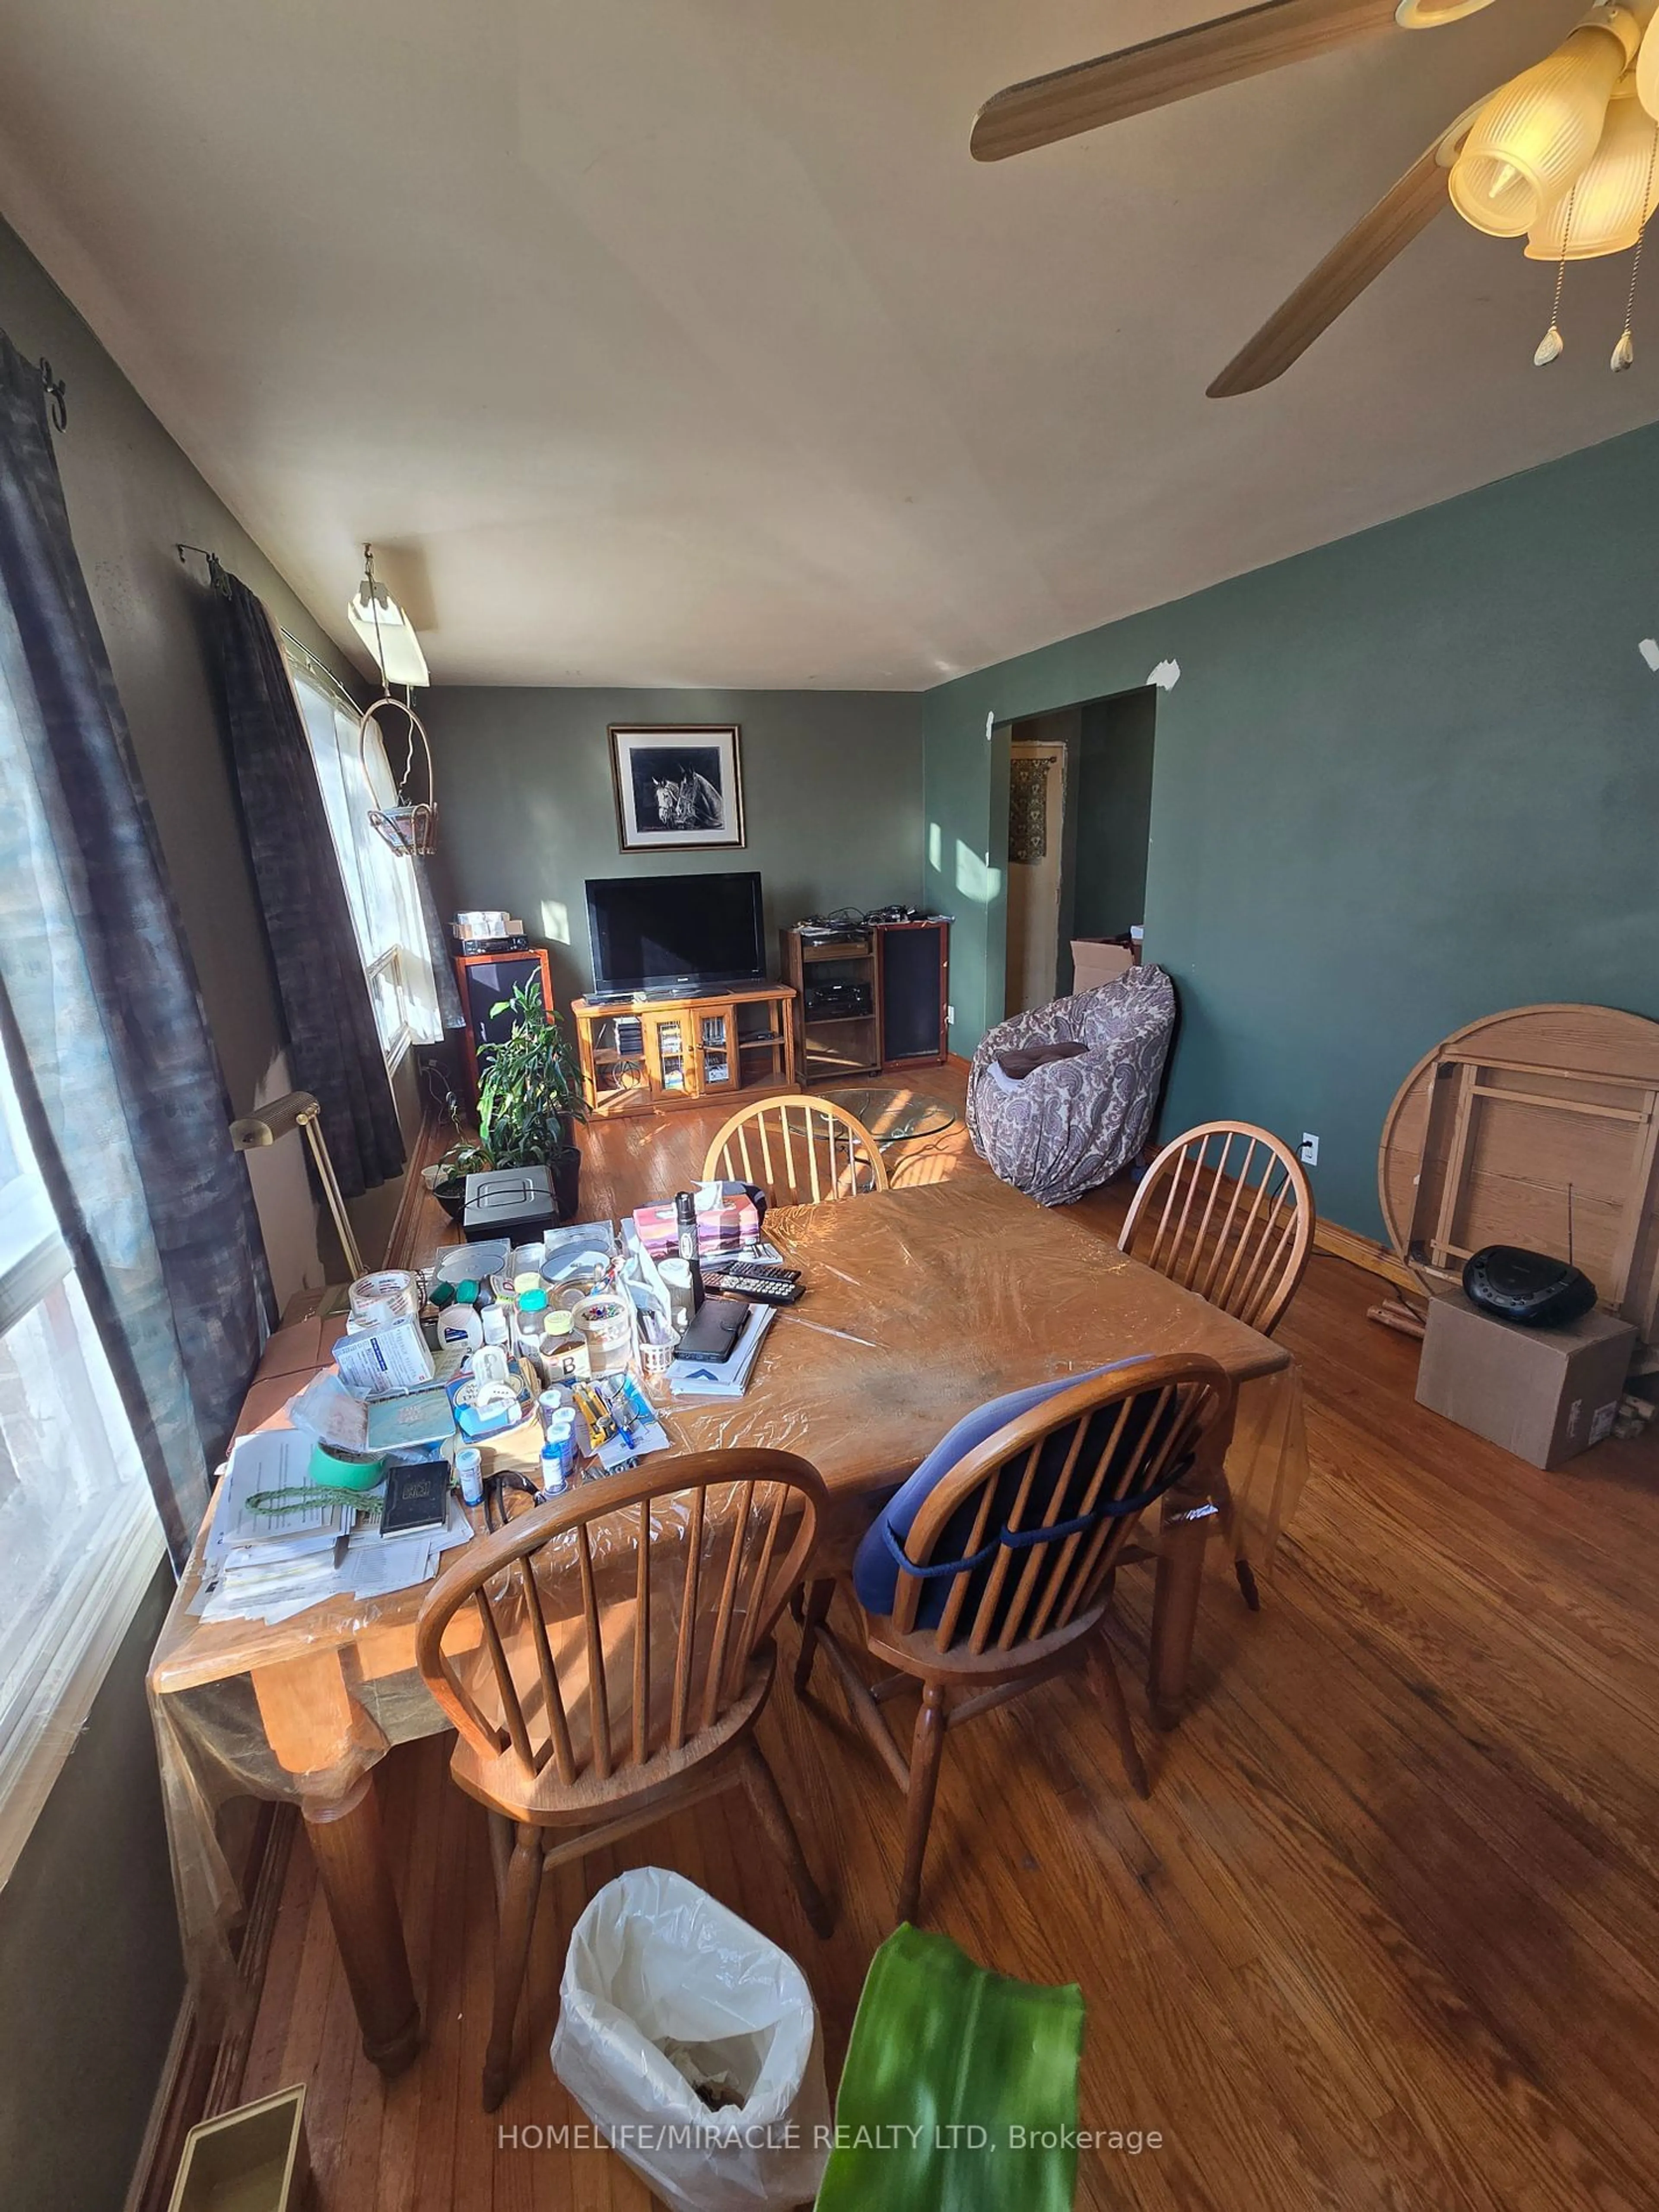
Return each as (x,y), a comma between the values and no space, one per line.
(921,1304)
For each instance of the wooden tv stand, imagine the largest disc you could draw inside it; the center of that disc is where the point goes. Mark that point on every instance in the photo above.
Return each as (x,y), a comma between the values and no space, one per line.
(642,1055)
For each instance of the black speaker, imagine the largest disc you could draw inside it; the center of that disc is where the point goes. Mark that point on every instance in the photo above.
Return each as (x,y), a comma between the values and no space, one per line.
(914,966)
(487,978)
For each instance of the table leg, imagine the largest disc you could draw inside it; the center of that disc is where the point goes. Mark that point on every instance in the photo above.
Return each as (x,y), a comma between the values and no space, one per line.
(349,1845)
(1184,1532)
(321,1737)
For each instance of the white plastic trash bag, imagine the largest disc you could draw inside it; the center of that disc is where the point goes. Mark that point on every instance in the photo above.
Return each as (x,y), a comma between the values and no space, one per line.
(663,1988)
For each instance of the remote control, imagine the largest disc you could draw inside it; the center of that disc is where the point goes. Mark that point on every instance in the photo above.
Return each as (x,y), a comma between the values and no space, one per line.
(760,1280)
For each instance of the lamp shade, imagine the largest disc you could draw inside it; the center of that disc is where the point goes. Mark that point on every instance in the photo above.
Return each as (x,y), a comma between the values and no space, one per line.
(1534,135)
(1613,196)
(1647,69)
(1429,15)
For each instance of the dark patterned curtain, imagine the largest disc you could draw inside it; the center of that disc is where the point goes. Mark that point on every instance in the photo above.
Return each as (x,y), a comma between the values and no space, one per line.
(100,1014)
(334,1049)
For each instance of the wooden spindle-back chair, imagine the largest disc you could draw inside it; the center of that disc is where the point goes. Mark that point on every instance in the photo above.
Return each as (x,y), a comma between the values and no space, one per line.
(1005,1576)
(800,1150)
(1226,1210)
(611,1654)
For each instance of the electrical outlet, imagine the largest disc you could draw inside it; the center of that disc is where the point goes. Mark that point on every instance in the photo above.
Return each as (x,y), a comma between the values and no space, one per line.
(951,1017)
(1308,1151)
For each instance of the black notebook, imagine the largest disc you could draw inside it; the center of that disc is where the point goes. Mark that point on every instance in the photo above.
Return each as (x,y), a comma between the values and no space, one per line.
(416,1497)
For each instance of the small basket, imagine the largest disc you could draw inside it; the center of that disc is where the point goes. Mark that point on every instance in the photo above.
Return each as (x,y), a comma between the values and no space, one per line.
(656,1359)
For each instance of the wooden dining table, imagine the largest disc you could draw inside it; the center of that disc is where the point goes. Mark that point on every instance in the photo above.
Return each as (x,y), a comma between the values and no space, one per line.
(921,1304)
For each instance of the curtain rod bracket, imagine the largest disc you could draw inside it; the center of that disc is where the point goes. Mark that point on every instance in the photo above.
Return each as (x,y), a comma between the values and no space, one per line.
(57,391)
(216,575)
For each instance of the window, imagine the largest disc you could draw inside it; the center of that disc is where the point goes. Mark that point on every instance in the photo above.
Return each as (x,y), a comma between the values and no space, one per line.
(79,1534)
(381,889)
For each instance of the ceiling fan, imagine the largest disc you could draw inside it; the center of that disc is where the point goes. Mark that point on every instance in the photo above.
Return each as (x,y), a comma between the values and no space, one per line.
(1564,154)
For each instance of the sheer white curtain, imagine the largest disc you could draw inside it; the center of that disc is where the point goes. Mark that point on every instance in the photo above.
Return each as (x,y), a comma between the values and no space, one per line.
(380,887)
(80,1537)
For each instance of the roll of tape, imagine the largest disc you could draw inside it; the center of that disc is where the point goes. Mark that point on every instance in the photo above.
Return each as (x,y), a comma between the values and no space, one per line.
(392,1295)
(342,1471)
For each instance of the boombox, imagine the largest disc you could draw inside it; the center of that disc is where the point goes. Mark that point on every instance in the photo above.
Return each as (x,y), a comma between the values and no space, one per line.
(1527,1287)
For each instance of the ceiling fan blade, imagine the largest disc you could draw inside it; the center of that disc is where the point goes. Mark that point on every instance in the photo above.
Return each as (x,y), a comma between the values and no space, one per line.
(1355,261)
(1091,94)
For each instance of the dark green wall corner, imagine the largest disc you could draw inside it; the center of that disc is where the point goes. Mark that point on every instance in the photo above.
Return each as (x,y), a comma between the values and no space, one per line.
(1401,782)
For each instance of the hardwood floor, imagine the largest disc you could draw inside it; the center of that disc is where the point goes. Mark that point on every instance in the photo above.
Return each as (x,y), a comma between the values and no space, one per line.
(1386,1934)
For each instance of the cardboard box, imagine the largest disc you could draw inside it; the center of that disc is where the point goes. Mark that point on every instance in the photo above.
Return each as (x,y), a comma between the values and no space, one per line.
(1543,1393)
(1093,961)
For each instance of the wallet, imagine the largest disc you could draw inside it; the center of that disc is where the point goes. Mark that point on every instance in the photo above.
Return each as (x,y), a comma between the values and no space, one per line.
(714,1330)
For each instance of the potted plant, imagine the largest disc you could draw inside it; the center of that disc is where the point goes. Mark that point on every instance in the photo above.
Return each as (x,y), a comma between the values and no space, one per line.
(529,1104)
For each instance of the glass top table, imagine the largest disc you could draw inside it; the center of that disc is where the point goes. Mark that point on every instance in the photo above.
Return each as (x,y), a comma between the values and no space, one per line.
(894,1114)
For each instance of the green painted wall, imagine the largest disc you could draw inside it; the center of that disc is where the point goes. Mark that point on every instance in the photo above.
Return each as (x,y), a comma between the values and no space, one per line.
(1114,813)
(1403,780)
(832,802)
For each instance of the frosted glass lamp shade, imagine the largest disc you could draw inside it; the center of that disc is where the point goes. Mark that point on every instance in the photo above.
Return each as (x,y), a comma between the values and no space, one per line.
(1611,198)
(1533,135)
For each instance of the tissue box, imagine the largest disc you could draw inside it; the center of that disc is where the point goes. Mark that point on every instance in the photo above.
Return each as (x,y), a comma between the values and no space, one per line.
(732,1221)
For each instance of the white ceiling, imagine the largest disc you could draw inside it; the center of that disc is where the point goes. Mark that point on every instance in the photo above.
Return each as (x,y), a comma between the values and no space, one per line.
(680,342)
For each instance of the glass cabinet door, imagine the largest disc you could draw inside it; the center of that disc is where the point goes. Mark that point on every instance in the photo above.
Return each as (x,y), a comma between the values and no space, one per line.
(669,1033)
(717,1051)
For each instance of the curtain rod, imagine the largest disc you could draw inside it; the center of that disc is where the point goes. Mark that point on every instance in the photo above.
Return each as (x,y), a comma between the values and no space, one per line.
(318,669)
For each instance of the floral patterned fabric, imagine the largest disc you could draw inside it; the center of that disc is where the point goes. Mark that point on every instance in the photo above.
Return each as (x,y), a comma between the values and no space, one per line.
(1072,1124)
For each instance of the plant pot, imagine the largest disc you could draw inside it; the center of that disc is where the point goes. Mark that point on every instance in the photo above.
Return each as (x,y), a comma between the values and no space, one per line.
(451,1196)
(567,1182)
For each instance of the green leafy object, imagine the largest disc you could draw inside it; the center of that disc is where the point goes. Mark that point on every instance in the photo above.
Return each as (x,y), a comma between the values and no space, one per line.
(959,2093)
(532,1090)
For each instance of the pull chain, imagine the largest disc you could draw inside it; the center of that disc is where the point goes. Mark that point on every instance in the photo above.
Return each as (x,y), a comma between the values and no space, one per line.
(1624,353)
(1551,344)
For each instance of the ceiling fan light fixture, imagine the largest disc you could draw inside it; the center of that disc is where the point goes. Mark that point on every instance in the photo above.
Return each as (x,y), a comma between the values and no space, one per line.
(1537,132)
(1613,195)
(1429,15)
(1647,68)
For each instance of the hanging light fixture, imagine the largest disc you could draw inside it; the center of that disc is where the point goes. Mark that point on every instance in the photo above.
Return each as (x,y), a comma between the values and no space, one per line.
(1613,195)
(1531,139)
(1647,69)
(1429,15)
(409,824)
(387,630)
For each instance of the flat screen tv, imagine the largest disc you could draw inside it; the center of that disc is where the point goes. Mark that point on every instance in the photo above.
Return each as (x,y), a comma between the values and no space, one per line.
(667,934)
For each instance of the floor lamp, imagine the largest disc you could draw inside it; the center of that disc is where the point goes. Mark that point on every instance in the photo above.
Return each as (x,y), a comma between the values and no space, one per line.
(298,1109)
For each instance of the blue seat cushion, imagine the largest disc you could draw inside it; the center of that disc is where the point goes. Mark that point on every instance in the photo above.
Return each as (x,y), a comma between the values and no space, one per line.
(880,1562)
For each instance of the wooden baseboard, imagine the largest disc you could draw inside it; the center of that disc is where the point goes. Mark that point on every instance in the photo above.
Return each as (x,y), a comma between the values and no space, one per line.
(202,2076)
(1330,1236)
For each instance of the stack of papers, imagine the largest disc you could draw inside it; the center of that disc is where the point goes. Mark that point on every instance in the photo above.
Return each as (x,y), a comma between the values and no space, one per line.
(729,1377)
(263,1566)
(266,1566)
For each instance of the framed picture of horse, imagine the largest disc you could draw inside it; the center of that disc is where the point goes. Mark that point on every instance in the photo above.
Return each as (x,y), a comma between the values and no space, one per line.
(678,785)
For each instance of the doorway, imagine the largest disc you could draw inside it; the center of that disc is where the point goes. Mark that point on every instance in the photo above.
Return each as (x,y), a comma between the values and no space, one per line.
(1080,822)
(1038,753)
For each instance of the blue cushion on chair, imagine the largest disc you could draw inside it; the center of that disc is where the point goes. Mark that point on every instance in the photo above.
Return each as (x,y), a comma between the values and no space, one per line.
(876,1570)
